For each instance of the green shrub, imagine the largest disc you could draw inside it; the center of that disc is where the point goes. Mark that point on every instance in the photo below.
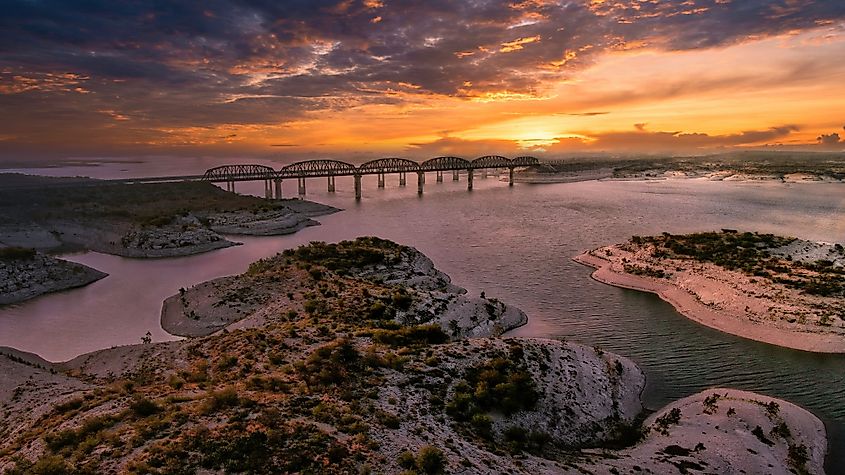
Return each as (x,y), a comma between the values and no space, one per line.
(226,362)
(483,425)
(670,418)
(157,221)
(330,364)
(15,253)
(402,301)
(430,460)
(407,460)
(517,438)
(391,421)
(409,336)
(377,311)
(47,465)
(758,432)
(499,385)
(143,407)
(70,405)
(798,457)
(217,400)
(90,427)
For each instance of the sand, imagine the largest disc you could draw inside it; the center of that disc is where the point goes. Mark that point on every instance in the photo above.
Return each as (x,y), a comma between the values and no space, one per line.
(692,307)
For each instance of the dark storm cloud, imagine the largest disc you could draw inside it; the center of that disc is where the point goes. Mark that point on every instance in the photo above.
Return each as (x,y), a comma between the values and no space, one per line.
(167,63)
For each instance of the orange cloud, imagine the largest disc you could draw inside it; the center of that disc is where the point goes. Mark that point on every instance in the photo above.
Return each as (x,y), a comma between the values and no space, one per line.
(517,44)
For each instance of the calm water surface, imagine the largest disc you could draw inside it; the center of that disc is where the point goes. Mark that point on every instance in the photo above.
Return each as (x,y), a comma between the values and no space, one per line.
(515,244)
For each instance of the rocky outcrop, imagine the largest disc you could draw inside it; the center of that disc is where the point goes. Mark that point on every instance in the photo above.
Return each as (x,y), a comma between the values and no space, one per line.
(28,277)
(433,299)
(289,218)
(727,431)
(185,236)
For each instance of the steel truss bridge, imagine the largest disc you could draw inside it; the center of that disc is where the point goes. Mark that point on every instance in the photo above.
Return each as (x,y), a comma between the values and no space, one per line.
(230,174)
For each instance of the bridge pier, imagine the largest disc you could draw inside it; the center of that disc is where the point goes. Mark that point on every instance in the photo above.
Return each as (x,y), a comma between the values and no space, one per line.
(301,182)
(381,180)
(469,179)
(268,190)
(483,173)
(358,187)
(331,183)
(455,175)
(278,184)
(230,186)
(439,176)
(402,179)
(510,176)
(420,182)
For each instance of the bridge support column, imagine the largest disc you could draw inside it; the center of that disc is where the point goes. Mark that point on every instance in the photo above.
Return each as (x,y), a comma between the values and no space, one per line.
(278,184)
(331,184)
(469,179)
(402,179)
(510,176)
(301,182)
(439,176)
(230,186)
(483,173)
(358,187)
(420,182)
(268,190)
(455,175)
(381,180)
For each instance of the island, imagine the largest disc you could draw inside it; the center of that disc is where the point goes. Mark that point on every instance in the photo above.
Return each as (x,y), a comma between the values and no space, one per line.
(778,290)
(362,357)
(40,216)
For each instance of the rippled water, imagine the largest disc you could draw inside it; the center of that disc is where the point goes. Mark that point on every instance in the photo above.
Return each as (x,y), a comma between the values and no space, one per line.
(515,244)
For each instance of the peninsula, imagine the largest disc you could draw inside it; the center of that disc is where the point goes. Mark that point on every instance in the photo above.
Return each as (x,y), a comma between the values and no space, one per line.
(42,215)
(362,357)
(784,291)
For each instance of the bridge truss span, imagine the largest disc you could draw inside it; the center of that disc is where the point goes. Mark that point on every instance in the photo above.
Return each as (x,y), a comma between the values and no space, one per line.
(491,161)
(228,173)
(389,165)
(317,168)
(444,164)
(524,161)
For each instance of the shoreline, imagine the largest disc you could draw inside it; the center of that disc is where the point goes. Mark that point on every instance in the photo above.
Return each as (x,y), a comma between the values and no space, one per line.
(688,306)
(588,394)
(25,279)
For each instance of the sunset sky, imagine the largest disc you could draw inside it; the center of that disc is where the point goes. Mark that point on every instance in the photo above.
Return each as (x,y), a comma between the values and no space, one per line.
(420,77)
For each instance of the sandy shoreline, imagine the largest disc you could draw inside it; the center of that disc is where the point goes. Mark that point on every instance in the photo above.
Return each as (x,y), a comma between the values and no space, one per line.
(686,304)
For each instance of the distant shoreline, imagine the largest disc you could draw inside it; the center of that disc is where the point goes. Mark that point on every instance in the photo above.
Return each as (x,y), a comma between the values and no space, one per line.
(688,306)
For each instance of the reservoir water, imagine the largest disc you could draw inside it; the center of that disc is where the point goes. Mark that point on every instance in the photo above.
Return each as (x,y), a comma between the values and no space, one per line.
(514,244)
